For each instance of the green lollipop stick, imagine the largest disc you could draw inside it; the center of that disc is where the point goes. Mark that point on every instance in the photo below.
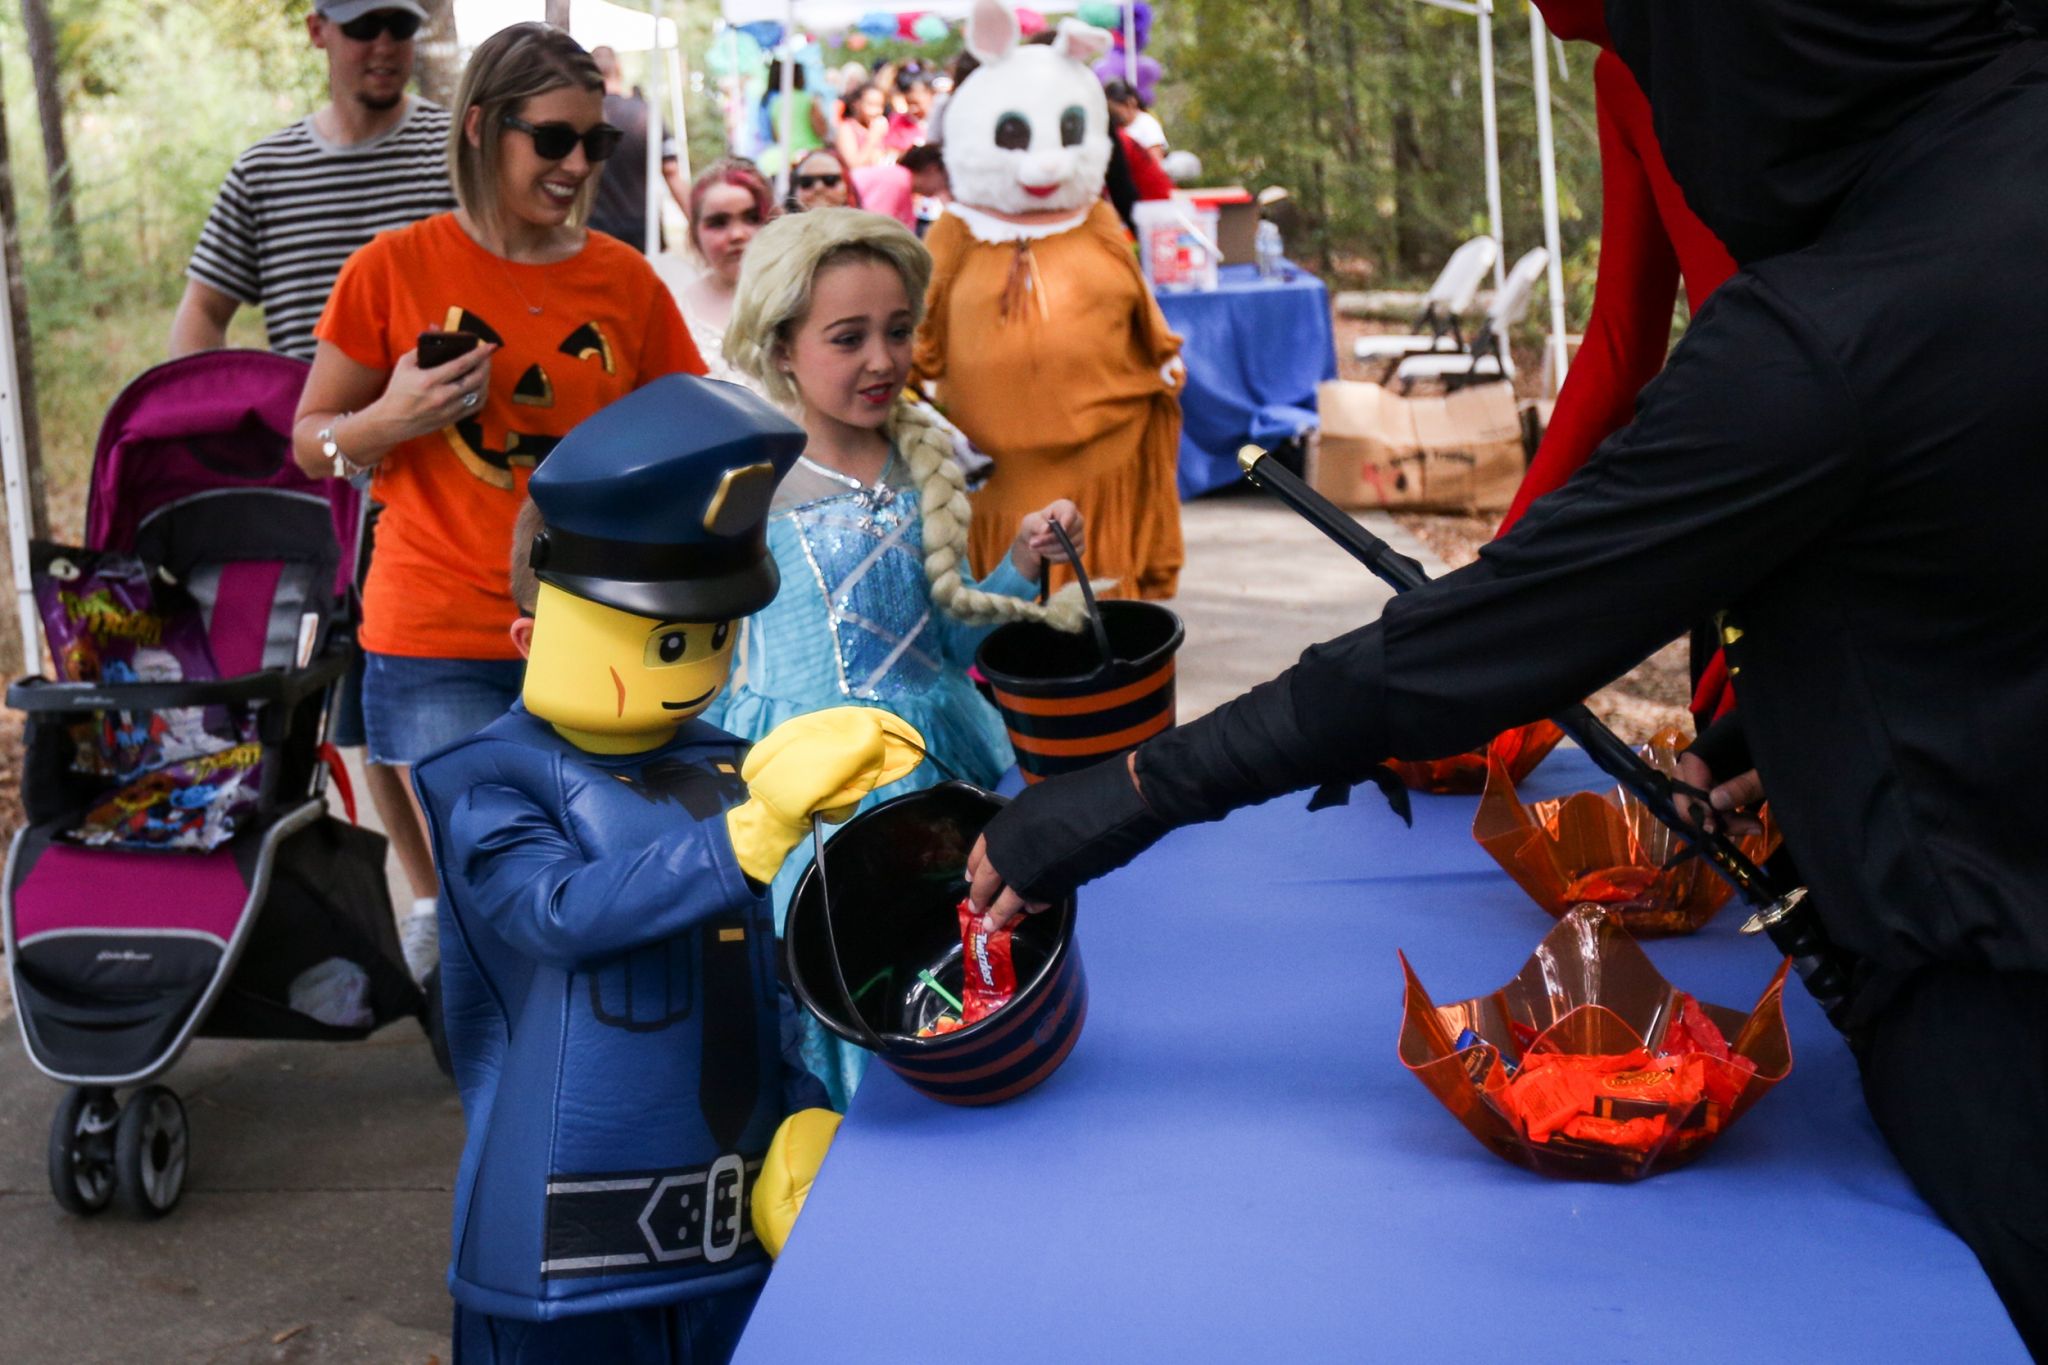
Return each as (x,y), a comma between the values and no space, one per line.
(944,994)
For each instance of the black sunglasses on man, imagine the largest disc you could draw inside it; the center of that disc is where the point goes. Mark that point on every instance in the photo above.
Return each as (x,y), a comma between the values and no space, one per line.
(553,141)
(399,23)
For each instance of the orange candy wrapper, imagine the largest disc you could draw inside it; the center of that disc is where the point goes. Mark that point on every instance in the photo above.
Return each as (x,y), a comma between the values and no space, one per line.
(1589,1064)
(1605,849)
(1519,751)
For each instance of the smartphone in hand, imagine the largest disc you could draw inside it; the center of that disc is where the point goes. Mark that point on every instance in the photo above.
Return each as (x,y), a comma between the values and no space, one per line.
(438,348)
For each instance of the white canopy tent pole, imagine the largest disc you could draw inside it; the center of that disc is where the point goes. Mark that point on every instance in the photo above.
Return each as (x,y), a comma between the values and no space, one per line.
(1539,52)
(14,455)
(788,111)
(1489,124)
(1131,43)
(735,89)
(1489,116)
(656,186)
(678,89)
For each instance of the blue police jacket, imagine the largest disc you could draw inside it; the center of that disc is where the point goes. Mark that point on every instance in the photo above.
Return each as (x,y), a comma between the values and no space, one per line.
(618,1033)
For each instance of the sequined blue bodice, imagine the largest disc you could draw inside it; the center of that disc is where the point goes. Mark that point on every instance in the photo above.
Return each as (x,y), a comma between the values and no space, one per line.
(866,552)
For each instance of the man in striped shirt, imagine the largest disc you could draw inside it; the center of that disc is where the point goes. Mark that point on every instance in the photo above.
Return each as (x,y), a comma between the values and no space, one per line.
(297,204)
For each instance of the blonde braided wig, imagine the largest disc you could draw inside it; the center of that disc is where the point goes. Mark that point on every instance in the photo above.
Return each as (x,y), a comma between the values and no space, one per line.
(774,295)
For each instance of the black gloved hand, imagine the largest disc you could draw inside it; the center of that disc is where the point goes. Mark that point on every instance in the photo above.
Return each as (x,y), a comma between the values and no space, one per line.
(1071,829)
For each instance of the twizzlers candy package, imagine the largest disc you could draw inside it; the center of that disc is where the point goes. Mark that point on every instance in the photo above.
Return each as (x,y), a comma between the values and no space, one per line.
(990,976)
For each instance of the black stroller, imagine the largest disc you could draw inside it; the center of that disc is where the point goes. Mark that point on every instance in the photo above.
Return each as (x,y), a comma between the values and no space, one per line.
(120,953)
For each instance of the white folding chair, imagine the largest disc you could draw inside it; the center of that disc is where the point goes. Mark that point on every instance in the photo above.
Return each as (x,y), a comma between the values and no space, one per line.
(1449,297)
(1487,356)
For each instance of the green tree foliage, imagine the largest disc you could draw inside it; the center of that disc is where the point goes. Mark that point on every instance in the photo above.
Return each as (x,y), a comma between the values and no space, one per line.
(1368,111)
(160,96)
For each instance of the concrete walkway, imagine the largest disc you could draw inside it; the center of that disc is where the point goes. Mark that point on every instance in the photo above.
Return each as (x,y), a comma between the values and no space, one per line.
(314,1224)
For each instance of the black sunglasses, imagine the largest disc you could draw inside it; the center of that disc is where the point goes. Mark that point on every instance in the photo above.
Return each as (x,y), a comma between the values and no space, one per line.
(553,141)
(399,23)
(812,182)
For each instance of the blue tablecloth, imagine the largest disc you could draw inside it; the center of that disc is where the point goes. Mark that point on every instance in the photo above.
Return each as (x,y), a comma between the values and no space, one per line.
(1234,1166)
(1255,351)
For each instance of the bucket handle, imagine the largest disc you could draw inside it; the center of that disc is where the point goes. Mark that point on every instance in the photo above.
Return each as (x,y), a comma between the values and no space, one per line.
(868,1037)
(1087,595)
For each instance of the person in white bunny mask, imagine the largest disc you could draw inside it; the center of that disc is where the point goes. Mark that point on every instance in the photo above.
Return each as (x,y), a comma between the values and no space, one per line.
(1041,337)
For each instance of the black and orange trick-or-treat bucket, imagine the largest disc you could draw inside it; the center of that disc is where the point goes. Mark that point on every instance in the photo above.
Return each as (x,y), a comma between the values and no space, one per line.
(866,939)
(1072,700)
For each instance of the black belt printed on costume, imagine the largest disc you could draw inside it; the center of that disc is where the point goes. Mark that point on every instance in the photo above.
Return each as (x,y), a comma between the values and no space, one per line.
(635,1222)
(556,551)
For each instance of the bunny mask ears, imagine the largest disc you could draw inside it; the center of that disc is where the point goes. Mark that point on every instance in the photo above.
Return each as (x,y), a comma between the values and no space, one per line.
(1028,132)
(993,34)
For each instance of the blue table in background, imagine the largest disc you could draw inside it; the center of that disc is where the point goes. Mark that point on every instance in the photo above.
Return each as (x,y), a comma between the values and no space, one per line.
(1234,1166)
(1255,351)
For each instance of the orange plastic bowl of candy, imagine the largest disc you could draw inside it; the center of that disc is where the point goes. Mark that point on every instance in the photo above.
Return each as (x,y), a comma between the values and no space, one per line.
(880,949)
(1605,849)
(1519,751)
(1589,1064)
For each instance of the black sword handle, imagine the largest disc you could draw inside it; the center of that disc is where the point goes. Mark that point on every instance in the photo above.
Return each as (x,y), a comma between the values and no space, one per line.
(1787,915)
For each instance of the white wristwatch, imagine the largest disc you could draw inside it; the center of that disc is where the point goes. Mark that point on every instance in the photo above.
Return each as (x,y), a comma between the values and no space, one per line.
(344,467)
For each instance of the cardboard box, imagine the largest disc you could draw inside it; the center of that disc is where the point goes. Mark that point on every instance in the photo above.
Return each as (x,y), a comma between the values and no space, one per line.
(1237,221)
(1448,452)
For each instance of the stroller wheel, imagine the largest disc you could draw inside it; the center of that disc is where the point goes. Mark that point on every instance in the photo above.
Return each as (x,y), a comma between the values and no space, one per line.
(150,1150)
(82,1149)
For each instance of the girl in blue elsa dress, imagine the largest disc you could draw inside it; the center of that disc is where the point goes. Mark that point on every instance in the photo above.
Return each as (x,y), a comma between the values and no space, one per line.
(870,529)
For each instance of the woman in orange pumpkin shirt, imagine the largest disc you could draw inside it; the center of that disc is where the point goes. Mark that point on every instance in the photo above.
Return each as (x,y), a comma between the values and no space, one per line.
(566,321)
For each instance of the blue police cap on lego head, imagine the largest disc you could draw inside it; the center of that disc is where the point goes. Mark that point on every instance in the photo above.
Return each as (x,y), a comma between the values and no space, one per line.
(658,504)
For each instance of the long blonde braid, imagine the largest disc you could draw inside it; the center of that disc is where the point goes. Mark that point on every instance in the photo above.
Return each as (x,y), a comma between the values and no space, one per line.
(927,449)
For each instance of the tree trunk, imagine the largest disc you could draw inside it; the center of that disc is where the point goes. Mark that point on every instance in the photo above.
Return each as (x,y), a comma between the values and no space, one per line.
(438,58)
(558,14)
(42,60)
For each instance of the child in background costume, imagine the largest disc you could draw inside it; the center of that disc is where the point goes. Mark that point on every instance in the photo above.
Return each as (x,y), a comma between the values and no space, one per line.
(608,961)
(877,606)
(1046,345)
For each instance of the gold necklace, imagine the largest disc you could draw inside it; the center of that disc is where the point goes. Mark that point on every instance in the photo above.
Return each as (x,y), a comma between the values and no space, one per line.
(505,264)
(505,268)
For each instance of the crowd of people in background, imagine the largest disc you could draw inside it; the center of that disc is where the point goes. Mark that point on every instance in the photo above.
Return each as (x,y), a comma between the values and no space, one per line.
(346,227)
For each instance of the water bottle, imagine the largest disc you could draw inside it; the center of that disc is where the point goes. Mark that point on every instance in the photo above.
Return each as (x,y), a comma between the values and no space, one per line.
(1271,250)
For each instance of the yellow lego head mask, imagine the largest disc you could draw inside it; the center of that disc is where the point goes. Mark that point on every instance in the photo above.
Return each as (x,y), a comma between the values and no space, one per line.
(611,680)
(653,545)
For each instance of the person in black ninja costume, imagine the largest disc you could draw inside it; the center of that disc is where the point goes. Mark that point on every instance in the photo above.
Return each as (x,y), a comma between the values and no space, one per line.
(1845,453)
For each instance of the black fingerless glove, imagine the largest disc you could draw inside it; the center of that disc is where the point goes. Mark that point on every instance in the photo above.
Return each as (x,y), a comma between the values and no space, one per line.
(1071,829)
(1723,747)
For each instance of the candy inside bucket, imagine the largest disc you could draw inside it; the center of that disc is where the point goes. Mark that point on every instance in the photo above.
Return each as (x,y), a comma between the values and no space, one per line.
(896,875)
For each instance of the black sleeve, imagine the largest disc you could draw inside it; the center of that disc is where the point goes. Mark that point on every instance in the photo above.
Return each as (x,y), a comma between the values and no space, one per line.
(1742,454)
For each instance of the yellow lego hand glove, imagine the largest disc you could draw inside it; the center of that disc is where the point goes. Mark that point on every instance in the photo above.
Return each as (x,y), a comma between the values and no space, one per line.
(822,763)
(787,1172)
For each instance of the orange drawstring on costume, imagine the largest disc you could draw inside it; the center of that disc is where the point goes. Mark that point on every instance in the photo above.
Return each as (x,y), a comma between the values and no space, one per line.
(1023,281)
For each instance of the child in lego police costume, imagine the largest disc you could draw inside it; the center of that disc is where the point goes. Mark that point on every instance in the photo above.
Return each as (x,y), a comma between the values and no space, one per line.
(608,959)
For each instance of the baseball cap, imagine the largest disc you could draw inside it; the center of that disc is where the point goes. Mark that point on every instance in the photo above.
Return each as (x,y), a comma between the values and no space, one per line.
(347,11)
